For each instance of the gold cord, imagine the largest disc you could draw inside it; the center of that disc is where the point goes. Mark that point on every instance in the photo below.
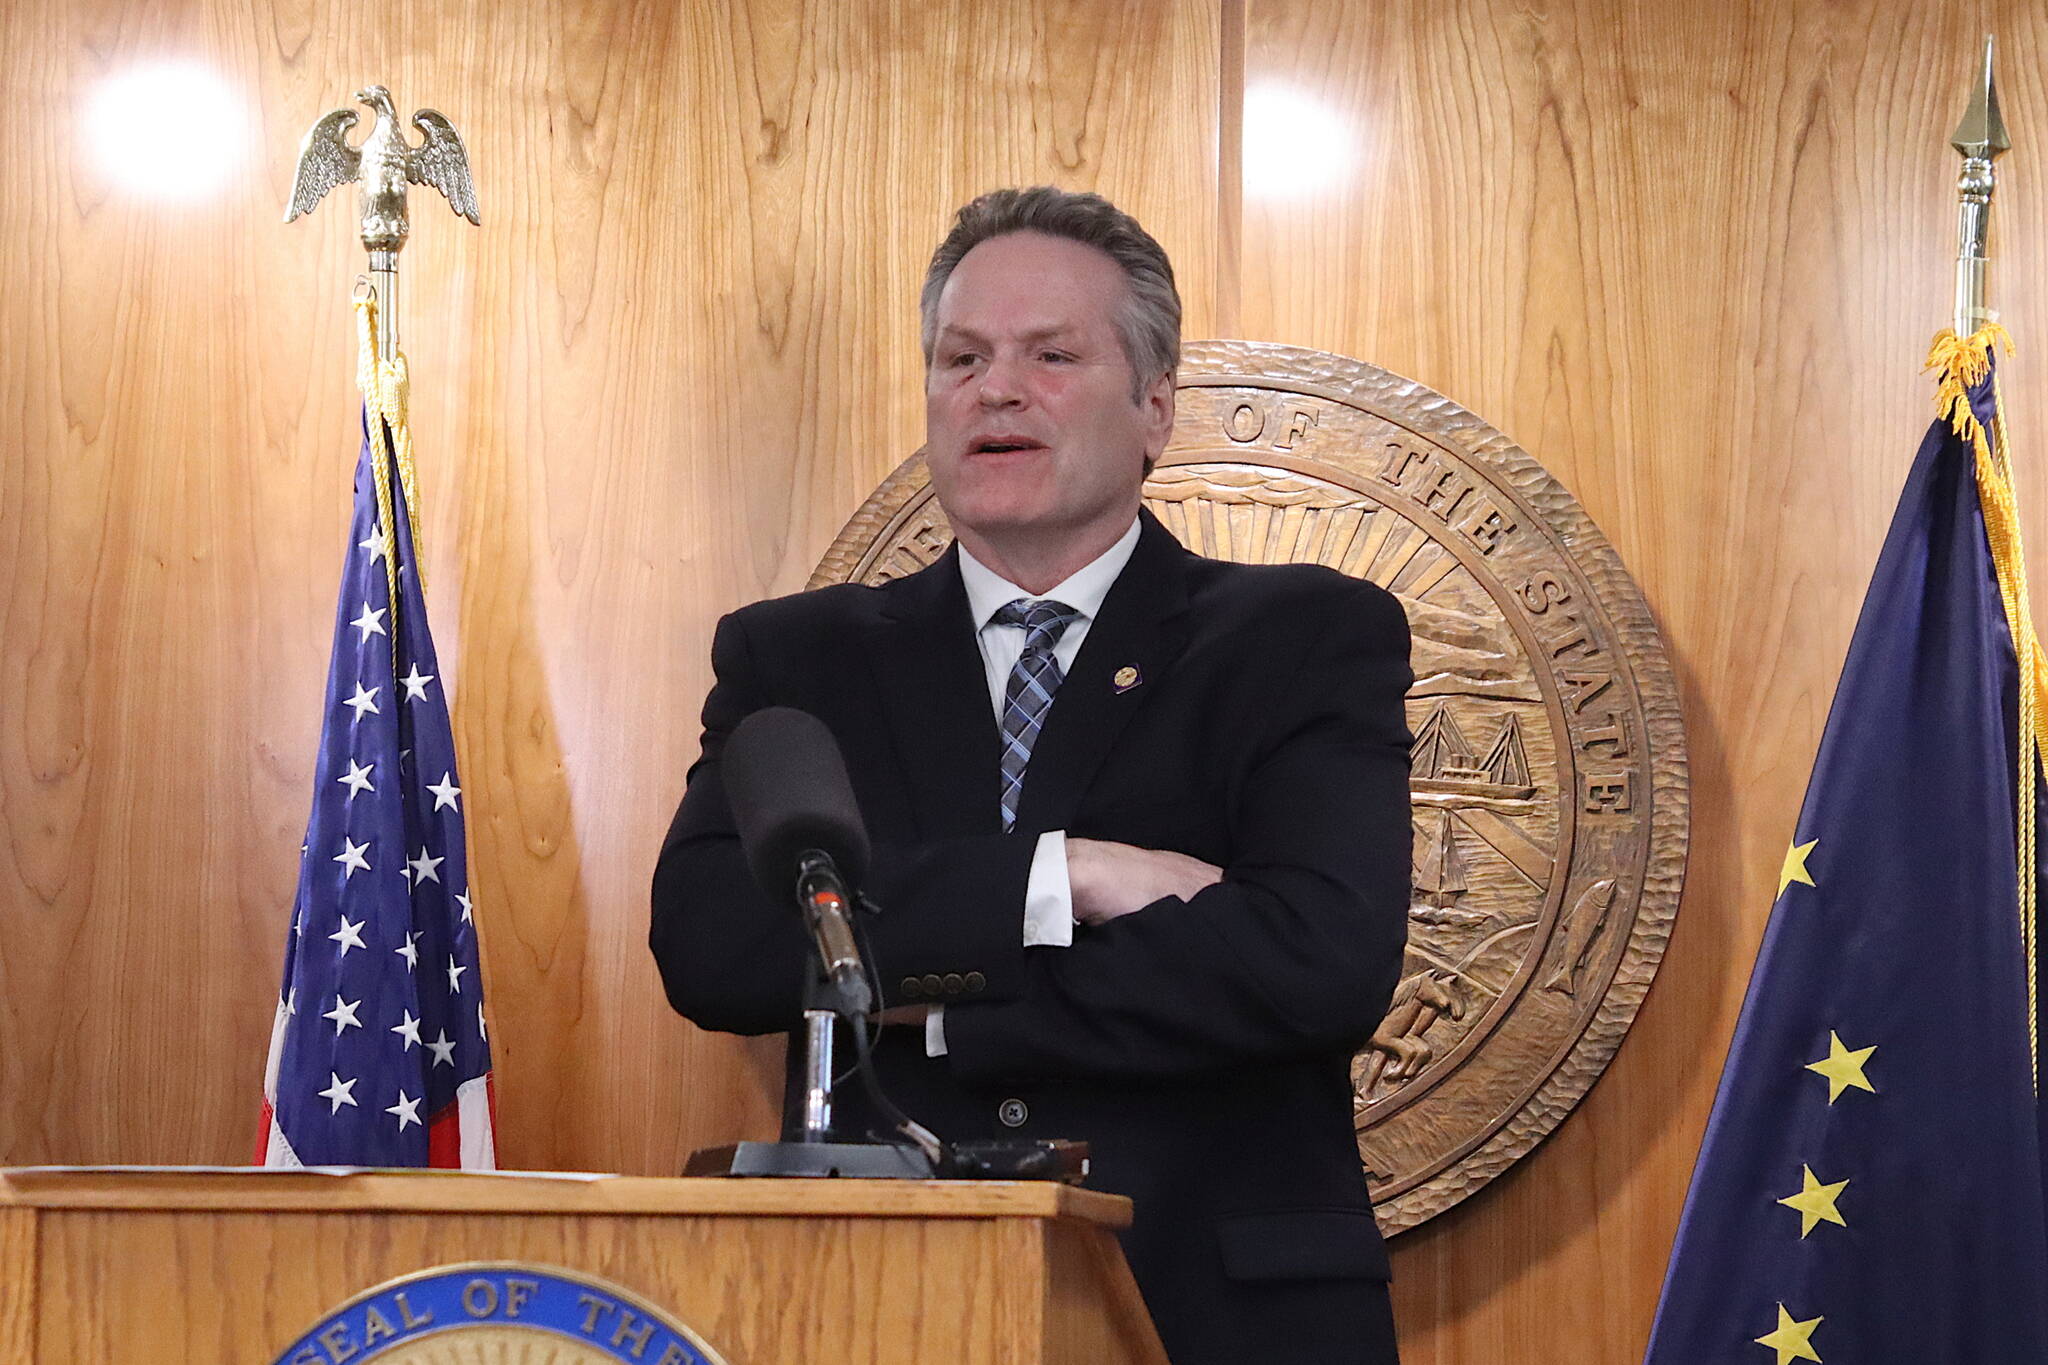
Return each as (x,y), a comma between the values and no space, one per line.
(386,390)
(1962,363)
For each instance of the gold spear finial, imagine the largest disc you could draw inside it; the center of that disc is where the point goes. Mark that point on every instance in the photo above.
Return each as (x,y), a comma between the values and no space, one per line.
(1980,137)
(1981,134)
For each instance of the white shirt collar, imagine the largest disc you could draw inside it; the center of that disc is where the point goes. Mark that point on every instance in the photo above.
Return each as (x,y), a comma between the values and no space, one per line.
(988,592)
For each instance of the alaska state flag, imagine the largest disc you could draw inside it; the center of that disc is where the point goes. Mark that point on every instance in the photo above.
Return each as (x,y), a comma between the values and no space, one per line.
(378,1050)
(1870,1186)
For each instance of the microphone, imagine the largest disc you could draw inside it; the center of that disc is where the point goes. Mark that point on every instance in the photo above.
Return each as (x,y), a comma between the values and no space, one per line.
(802,832)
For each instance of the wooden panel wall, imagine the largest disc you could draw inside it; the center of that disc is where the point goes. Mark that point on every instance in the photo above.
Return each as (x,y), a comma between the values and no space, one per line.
(1688,255)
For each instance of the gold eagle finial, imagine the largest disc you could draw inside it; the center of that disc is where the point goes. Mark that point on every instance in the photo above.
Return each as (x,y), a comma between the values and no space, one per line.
(384,165)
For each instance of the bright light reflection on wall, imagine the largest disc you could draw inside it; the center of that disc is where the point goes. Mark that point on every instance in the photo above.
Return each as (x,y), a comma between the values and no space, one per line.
(1293,145)
(167,130)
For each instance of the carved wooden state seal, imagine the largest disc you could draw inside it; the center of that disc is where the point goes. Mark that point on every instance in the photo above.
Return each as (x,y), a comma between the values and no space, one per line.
(1549,770)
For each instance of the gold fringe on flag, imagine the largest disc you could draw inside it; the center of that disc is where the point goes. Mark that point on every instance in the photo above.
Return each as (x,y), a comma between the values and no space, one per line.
(1961,363)
(387,389)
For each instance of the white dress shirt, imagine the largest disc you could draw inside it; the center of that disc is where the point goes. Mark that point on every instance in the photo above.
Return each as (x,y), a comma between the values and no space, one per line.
(1048,896)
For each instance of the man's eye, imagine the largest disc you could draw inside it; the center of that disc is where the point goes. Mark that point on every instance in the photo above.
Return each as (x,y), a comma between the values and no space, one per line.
(963,358)
(1057,357)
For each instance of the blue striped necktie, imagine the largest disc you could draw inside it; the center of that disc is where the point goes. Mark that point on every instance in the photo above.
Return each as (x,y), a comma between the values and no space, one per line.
(1028,694)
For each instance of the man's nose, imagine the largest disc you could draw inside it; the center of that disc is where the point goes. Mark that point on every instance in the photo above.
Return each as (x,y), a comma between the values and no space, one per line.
(999,386)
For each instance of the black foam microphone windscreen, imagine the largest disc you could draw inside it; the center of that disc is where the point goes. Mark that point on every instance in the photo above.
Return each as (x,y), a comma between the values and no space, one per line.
(790,795)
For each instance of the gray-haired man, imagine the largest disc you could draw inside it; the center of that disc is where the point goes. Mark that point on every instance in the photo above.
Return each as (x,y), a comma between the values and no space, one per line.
(1141,818)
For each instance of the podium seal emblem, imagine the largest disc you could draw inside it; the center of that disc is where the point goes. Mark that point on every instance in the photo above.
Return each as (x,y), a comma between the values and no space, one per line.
(1548,773)
(497,1314)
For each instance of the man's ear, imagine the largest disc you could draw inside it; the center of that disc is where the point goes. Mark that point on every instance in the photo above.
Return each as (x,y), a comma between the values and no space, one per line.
(1157,401)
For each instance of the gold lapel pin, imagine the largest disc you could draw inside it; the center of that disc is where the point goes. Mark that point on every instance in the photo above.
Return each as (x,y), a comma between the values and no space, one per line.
(1126,678)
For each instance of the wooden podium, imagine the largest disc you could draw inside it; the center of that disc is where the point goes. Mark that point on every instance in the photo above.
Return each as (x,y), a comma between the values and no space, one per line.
(230,1267)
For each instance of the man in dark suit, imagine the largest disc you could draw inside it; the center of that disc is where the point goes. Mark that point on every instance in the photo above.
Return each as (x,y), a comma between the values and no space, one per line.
(1140,818)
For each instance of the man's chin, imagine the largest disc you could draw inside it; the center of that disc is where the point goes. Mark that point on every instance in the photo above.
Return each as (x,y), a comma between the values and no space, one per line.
(995,513)
(997,527)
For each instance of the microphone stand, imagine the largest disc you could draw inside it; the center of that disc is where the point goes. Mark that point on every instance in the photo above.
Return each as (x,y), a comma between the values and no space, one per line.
(835,988)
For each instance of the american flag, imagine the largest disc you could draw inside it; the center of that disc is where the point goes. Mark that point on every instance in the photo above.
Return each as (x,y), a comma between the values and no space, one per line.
(379,1054)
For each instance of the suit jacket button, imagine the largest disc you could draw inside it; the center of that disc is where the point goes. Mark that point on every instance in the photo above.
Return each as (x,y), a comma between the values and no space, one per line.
(930,983)
(912,987)
(954,983)
(976,981)
(1013,1113)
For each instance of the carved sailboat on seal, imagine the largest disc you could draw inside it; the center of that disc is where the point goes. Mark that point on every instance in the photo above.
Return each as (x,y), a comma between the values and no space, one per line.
(1439,871)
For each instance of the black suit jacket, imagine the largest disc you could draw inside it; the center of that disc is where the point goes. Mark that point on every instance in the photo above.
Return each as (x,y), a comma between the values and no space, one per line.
(1201,1047)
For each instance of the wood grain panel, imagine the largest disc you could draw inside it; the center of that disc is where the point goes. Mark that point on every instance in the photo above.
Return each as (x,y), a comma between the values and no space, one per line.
(322,1191)
(676,356)
(19,1284)
(237,1287)
(1690,257)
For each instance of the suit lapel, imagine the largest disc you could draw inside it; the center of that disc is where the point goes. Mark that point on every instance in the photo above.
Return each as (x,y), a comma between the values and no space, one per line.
(1140,628)
(935,701)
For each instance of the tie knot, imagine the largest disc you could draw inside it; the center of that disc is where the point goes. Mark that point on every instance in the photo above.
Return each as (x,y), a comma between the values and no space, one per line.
(1044,621)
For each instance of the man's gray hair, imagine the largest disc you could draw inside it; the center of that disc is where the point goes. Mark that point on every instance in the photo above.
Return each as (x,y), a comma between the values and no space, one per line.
(1149,321)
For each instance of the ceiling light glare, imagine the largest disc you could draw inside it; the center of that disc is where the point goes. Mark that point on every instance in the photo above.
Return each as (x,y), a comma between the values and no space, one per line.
(169,130)
(1293,145)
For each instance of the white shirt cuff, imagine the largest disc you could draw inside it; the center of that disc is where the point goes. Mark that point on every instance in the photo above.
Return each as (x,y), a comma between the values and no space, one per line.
(1048,895)
(935,1032)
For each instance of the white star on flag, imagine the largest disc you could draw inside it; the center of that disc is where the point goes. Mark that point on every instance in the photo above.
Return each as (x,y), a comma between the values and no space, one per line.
(416,684)
(371,622)
(350,935)
(408,1111)
(462,899)
(445,794)
(410,952)
(377,543)
(351,856)
(356,779)
(443,1050)
(423,867)
(455,977)
(364,701)
(337,1092)
(407,1028)
(344,1014)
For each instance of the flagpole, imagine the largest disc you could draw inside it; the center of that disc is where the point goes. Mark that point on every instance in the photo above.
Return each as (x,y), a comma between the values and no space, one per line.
(1979,139)
(384,285)
(397,836)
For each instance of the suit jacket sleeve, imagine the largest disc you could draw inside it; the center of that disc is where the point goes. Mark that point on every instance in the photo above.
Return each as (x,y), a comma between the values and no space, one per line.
(1298,948)
(733,960)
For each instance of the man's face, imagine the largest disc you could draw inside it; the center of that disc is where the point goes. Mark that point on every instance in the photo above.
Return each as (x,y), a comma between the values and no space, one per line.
(1030,430)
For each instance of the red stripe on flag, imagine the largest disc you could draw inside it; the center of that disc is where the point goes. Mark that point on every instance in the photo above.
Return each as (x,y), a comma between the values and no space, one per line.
(444,1137)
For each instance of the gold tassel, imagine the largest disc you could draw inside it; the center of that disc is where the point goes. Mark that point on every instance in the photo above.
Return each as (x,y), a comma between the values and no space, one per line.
(1962,362)
(387,392)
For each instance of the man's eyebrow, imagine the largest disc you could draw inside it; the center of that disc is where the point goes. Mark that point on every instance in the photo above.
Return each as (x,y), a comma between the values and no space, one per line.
(1048,332)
